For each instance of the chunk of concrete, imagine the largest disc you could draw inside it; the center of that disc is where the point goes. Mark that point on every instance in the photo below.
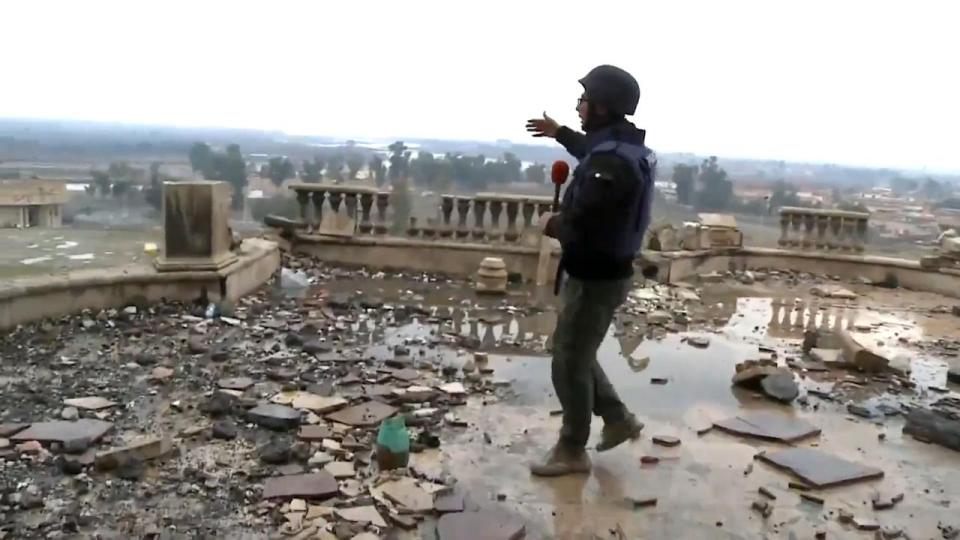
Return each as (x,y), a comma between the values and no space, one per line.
(769,426)
(859,356)
(309,401)
(235,383)
(488,525)
(819,469)
(780,386)
(366,414)
(828,357)
(143,449)
(92,403)
(361,514)
(62,431)
(319,485)
(933,426)
(407,493)
(273,416)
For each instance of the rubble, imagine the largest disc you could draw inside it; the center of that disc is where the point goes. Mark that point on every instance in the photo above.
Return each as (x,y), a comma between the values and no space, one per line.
(276,417)
(769,426)
(819,469)
(939,427)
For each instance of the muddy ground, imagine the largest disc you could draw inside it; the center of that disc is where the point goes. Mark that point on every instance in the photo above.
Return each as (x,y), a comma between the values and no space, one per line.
(362,327)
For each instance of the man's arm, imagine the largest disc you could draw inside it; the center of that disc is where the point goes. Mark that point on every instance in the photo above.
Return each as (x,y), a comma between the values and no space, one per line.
(605,187)
(574,141)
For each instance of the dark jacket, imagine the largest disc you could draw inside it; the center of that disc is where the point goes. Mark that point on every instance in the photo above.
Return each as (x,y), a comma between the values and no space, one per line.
(606,183)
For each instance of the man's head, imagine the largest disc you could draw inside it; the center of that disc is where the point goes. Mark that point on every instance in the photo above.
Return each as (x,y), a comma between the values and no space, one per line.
(609,94)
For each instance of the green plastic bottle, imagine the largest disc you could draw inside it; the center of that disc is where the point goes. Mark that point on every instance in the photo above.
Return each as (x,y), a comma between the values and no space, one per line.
(393,444)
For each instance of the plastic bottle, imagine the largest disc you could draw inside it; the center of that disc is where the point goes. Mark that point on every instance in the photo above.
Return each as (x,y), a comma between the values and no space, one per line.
(393,444)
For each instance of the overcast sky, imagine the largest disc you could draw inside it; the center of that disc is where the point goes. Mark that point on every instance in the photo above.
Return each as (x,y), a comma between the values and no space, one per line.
(871,82)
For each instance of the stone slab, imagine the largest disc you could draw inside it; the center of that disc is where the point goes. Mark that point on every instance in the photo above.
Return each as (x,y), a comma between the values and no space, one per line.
(92,403)
(314,433)
(144,449)
(235,383)
(407,493)
(769,426)
(780,386)
(9,429)
(448,501)
(366,414)
(361,514)
(484,525)
(273,416)
(819,469)
(320,485)
(62,431)
(931,426)
(312,402)
(340,469)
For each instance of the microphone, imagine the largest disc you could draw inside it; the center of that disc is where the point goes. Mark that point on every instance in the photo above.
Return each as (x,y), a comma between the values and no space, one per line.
(558,175)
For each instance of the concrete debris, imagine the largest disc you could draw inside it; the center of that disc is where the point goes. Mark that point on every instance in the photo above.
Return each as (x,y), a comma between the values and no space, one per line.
(273,416)
(861,357)
(93,403)
(489,525)
(144,449)
(819,469)
(361,514)
(319,485)
(833,291)
(666,440)
(933,426)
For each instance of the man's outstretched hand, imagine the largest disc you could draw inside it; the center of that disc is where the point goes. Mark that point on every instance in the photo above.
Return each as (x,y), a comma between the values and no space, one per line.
(543,127)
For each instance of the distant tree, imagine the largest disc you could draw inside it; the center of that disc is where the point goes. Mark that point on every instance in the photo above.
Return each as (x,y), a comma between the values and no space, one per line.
(424,169)
(378,170)
(231,168)
(102,182)
(280,168)
(536,173)
(399,159)
(153,194)
(684,177)
(784,194)
(120,170)
(716,192)
(902,185)
(201,159)
(121,188)
(335,167)
(312,171)
(354,164)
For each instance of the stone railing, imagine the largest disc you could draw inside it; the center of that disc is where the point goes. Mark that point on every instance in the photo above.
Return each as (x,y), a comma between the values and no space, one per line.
(482,217)
(813,228)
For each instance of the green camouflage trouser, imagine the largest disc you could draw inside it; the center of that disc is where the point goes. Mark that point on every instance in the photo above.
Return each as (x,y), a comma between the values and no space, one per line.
(580,383)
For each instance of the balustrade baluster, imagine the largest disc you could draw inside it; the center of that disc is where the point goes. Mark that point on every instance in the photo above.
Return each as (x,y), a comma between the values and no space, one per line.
(479,209)
(463,208)
(383,200)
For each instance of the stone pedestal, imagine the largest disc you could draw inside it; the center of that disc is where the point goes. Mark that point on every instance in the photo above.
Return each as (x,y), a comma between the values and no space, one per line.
(196,234)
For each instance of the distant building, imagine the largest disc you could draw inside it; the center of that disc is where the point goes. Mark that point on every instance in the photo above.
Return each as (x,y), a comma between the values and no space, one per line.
(31,203)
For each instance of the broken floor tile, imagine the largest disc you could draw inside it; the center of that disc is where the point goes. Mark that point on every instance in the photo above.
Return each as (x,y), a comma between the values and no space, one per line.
(666,440)
(340,469)
(489,525)
(819,469)
(366,414)
(144,449)
(235,383)
(768,425)
(319,485)
(407,493)
(61,431)
(450,500)
(454,388)
(311,402)
(273,416)
(314,433)
(91,403)
(361,514)
(7,430)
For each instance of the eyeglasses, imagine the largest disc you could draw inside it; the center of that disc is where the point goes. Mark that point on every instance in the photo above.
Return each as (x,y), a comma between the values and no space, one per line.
(581,100)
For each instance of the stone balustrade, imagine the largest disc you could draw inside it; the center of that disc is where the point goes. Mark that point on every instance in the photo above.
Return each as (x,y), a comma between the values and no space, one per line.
(484,217)
(814,228)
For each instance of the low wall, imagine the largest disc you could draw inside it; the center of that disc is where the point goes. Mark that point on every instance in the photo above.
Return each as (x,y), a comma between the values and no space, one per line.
(681,265)
(32,299)
(392,253)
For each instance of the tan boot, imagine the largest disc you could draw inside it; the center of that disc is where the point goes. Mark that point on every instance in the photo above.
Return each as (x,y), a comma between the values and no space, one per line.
(562,460)
(617,433)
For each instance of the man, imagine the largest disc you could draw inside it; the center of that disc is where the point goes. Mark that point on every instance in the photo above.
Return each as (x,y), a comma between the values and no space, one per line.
(604,213)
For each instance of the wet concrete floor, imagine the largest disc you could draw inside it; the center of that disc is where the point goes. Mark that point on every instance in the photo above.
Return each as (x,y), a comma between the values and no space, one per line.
(705,486)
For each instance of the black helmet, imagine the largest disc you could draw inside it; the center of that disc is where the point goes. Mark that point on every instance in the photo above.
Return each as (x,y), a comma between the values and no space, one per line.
(613,88)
